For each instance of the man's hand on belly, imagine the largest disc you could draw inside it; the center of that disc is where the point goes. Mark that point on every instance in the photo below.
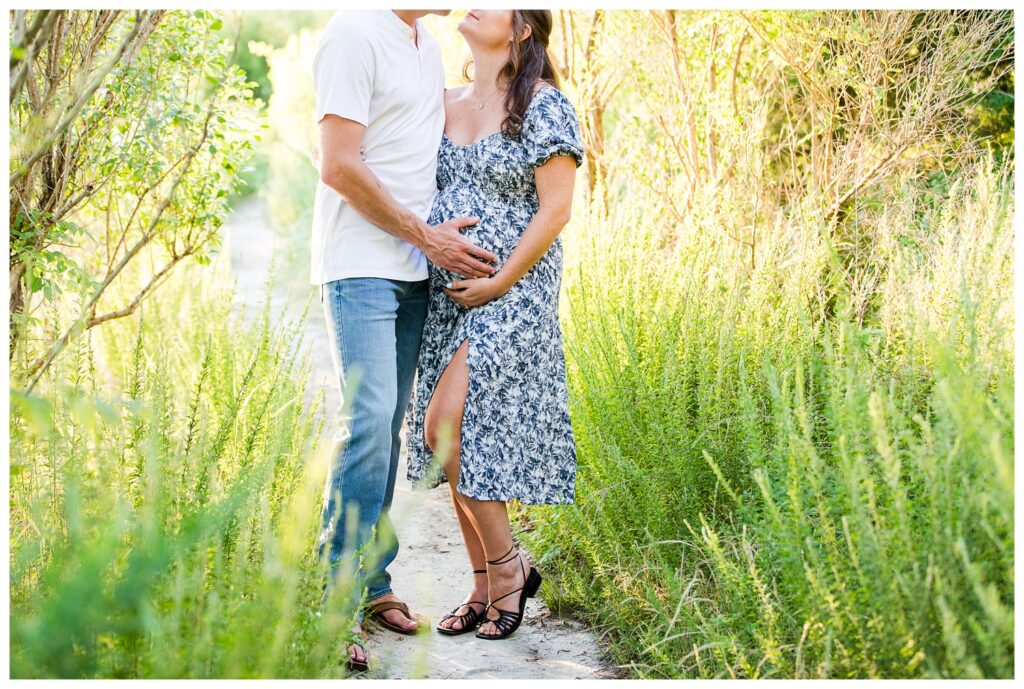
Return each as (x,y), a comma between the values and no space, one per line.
(447,248)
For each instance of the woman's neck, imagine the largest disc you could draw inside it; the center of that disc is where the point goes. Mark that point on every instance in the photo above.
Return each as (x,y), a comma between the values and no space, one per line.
(487,66)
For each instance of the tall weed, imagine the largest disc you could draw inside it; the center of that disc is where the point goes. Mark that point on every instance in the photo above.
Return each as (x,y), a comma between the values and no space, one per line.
(780,476)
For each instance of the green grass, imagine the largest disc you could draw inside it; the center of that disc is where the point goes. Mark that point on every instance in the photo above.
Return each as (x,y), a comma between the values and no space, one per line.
(781,473)
(797,468)
(165,497)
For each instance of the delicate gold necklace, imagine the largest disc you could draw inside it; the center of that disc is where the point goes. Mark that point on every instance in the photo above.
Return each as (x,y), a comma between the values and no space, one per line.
(484,102)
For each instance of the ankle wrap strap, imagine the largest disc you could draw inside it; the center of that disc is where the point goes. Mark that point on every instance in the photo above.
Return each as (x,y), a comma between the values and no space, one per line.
(504,558)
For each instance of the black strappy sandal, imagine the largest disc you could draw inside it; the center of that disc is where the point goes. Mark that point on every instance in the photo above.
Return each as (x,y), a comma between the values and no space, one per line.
(470,620)
(507,622)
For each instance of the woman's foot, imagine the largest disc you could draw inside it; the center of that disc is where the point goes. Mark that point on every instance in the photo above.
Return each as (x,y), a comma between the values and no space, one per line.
(510,583)
(464,617)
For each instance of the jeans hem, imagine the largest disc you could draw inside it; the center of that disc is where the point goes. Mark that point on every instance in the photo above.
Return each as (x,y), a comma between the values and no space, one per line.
(379,595)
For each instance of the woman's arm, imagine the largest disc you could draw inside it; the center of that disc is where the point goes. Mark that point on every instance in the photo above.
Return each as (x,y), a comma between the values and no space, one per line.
(555,181)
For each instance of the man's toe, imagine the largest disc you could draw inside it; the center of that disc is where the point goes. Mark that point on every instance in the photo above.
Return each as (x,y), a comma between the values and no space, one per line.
(401,620)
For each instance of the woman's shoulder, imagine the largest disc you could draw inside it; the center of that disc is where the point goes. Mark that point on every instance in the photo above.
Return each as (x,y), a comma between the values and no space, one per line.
(547,98)
(542,85)
(545,89)
(550,126)
(549,103)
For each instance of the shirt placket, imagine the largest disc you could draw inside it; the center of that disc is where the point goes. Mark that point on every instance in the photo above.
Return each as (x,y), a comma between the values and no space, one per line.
(419,55)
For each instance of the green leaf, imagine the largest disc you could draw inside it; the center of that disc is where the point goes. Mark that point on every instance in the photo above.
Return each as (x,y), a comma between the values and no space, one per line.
(107,412)
(37,411)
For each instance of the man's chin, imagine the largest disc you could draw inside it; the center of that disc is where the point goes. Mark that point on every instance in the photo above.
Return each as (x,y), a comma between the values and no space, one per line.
(443,13)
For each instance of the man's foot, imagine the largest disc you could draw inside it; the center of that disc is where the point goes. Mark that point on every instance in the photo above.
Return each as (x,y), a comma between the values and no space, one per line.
(395,616)
(358,660)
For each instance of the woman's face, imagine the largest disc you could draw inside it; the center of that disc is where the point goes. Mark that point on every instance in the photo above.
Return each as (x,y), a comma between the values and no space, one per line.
(487,29)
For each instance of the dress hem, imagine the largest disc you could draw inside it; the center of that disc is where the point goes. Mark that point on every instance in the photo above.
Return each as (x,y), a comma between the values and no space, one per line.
(424,484)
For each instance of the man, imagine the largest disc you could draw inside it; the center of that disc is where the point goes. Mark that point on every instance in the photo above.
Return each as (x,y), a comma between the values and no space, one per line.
(379,87)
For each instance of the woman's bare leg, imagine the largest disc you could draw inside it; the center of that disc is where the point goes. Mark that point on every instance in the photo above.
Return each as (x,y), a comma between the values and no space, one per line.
(484,523)
(475,551)
(491,519)
(444,417)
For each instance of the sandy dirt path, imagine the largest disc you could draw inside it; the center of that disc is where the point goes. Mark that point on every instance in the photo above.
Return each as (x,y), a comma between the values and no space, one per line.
(431,572)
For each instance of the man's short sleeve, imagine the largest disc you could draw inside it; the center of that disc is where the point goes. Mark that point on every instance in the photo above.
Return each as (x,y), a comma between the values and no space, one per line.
(343,75)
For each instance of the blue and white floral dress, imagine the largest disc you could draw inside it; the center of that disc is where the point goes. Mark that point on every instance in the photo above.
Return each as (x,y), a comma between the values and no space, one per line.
(517,439)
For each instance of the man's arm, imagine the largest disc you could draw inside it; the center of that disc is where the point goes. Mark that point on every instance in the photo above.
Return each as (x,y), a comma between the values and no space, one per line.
(342,169)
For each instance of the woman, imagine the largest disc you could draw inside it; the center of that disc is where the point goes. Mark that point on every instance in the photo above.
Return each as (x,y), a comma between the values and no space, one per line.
(491,405)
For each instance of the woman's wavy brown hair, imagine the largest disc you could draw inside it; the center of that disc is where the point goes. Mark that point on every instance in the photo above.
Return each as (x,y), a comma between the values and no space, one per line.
(528,63)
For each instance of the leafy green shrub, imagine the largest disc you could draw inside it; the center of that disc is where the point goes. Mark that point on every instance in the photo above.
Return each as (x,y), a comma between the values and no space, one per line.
(128,134)
(164,513)
(767,489)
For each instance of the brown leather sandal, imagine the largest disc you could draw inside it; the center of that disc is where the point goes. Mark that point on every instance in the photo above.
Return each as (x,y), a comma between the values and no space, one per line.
(373,612)
(356,639)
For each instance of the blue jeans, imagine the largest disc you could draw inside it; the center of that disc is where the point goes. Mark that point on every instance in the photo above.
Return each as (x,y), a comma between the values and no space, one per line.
(374,326)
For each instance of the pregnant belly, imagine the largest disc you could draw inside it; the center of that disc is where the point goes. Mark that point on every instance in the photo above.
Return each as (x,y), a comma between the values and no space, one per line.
(496,231)
(486,236)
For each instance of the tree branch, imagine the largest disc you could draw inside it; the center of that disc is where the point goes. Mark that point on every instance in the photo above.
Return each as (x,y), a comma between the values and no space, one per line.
(147,236)
(35,36)
(151,17)
(150,286)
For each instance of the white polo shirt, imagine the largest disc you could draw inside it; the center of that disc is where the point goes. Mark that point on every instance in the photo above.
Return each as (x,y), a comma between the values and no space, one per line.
(369,68)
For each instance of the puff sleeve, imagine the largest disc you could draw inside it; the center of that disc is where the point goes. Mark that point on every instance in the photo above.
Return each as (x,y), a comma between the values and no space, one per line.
(550,128)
